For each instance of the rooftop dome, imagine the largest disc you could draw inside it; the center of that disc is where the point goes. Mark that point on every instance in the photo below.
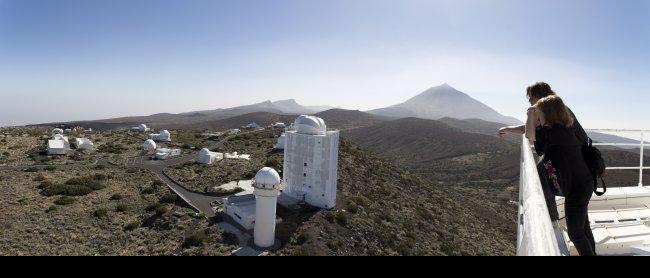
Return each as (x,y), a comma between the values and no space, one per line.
(267,176)
(143,127)
(57,131)
(149,145)
(310,125)
(165,133)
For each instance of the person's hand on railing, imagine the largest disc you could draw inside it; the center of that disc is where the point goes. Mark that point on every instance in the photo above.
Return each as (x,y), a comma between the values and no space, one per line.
(511,130)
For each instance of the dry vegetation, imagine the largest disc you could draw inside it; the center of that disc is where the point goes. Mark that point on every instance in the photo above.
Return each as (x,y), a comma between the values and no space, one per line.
(122,213)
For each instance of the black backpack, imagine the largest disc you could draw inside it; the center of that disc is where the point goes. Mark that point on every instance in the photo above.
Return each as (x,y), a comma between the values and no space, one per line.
(596,165)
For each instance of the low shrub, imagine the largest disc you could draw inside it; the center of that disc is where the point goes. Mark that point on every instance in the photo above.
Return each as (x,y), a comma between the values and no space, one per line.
(132,226)
(195,238)
(64,201)
(100,213)
(169,198)
(122,207)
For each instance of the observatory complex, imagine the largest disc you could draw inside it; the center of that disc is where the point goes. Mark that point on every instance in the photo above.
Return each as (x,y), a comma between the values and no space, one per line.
(310,177)
(310,164)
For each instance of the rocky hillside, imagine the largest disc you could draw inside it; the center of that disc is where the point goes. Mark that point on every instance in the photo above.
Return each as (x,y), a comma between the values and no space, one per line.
(384,210)
(439,151)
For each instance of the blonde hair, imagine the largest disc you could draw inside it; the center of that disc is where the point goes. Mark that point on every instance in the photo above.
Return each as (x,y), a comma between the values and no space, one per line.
(555,112)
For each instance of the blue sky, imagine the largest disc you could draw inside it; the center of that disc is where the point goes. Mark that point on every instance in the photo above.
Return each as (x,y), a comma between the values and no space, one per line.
(89,59)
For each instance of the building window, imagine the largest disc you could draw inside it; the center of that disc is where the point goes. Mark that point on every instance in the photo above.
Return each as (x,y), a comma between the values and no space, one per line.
(305,164)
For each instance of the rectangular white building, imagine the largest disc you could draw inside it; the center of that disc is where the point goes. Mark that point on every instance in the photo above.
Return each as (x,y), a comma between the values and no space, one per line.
(311,163)
(56,147)
(241,209)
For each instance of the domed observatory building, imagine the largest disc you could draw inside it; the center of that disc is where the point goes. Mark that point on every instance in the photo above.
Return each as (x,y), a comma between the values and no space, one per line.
(310,164)
(149,145)
(267,189)
(57,131)
(164,136)
(208,157)
(282,142)
(141,128)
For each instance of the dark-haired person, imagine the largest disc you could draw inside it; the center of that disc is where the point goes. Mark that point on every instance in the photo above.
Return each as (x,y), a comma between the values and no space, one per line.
(534,93)
(551,127)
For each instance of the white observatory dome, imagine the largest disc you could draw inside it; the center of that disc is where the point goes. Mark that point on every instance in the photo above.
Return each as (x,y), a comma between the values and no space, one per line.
(310,125)
(143,127)
(267,177)
(57,131)
(282,142)
(165,133)
(149,145)
(205,152)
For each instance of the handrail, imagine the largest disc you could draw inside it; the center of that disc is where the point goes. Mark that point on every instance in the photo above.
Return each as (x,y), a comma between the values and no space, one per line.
(642,145)
(536,234)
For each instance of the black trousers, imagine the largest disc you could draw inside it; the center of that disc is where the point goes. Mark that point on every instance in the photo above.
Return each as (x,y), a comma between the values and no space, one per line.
(577,219)
(576,208)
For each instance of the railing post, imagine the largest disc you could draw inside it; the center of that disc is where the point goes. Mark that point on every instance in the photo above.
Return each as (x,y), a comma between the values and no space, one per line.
(642,159)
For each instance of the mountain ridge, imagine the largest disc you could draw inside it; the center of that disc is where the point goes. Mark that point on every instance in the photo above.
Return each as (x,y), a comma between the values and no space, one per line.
(444,101)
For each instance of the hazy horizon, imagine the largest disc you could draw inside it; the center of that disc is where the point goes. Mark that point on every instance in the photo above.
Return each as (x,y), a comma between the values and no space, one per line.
(71,60)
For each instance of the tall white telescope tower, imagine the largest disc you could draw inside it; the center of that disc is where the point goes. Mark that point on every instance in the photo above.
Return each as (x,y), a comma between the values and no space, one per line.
(311,163)
(267,189)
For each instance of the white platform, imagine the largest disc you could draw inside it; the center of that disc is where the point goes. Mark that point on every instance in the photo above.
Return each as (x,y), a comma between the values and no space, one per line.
(620,221)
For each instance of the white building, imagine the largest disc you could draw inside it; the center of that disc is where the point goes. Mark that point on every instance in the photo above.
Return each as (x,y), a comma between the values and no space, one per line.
(311,164)
(206,156)
(267,189)
(56,147)
(164,136)
(57,131)
(163,153)
(141,128)
(257,211)
(241,209)
(282,142)
(235,155)
(279,125)
(84,144)
(252,126)
(60,137)
(149,145)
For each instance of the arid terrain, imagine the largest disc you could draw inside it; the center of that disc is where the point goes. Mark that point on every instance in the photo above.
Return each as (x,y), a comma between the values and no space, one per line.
(406,187)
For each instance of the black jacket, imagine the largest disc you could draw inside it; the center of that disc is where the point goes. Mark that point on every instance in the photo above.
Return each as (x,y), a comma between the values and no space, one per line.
(562,161)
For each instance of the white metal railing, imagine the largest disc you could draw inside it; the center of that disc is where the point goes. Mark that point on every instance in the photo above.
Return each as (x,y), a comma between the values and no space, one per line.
(642,144)
(536,234)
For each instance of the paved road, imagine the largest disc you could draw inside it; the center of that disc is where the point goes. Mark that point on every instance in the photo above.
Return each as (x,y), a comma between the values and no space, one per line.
(200,201)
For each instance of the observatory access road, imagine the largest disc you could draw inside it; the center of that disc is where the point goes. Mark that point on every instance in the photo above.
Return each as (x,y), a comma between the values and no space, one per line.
(200,201)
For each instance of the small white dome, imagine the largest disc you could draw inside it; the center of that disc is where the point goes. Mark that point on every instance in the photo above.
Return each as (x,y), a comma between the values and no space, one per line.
(205,152)
(57,131)
(310,125)
(267,176)
(149,145)
(165,133)
(143,127)
(282,142)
